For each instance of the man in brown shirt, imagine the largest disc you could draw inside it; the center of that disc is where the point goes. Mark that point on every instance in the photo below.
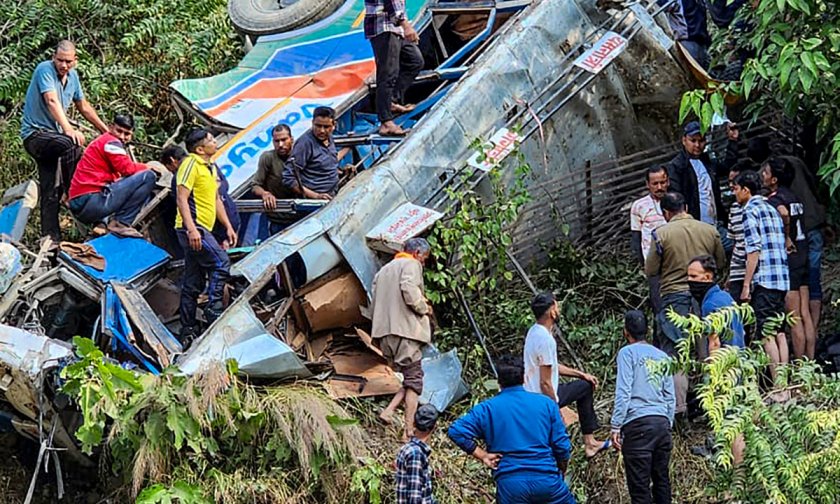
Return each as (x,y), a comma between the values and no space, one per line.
(401,324)
(268,181)
(672,248)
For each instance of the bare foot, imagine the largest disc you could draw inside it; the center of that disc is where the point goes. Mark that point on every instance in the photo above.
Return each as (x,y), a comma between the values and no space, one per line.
(386,418)
(402,109)
(390,128)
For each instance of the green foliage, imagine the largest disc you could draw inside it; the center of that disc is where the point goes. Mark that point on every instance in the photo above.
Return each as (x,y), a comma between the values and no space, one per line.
(476,235)
(792,448)
(210,436)
(367,480)
(795,69)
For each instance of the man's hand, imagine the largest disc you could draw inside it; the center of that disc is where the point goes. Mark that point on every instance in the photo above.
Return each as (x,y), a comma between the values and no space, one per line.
(410,32)
(323,196)
(790,247)
(77,136)
(616,440)
(745,293)
(231,236)
(732,132)
(491,460)
(591,379)
(269,201)
(194,238)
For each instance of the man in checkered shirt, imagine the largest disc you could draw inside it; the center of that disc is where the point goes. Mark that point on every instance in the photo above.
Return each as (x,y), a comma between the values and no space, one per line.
(767,266)
(414,478)
(398,59)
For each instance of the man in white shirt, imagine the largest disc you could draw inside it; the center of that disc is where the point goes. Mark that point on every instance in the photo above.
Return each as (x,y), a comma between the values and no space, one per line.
(645,217)
(543,371)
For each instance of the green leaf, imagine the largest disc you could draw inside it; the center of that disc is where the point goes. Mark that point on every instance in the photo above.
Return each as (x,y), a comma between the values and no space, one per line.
(706,117)
(748,80)
(336,421)
(685,106)
(811,43)
(807,80)
(808,61)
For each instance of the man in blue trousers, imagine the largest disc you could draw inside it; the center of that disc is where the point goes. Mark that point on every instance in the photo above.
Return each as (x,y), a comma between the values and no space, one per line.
(527,446)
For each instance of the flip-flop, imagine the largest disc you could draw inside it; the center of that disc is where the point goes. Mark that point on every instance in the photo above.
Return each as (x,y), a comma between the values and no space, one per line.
(607,444)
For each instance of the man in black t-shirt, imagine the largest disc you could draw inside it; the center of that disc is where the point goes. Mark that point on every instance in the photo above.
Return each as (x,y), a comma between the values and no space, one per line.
(777,176)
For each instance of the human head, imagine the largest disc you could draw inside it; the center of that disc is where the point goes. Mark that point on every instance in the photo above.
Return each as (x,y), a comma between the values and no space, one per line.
(64,57)
(657,181)
(693,140)
(745,186)
(323,123)
(758,149)
(201,142)
(672,205)
(425,419)
(635,326)
(122,127)
(171,157)
(419,248)
(702,269)
(281,138)
(776,172)
(739,167)
(544,307)
(511,371)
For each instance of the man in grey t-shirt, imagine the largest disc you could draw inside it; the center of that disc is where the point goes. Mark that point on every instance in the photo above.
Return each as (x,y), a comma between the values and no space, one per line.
(47,133)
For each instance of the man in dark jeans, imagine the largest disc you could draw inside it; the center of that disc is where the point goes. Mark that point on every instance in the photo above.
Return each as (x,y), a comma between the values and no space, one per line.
(47,133)
(398,59)
(543,371)
(643,415)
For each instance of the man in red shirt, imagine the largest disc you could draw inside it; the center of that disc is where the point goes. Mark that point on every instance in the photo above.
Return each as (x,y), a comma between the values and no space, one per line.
(108,183)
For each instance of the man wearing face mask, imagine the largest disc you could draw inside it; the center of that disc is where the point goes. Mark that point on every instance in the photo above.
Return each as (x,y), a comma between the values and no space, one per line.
(701,284)
(543,372)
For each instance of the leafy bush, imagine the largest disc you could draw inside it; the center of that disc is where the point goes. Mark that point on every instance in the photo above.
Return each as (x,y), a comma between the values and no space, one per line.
(212,436)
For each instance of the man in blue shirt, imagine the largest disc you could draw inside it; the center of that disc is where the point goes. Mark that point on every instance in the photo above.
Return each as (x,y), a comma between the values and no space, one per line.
(701,283)
(527,446)
(642,415)
(312,169)
(47,133)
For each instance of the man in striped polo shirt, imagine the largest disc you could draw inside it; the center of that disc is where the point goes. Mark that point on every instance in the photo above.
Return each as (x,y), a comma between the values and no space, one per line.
(199,205)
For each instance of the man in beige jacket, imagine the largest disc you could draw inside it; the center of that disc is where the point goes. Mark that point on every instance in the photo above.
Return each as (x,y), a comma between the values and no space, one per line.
(401,324)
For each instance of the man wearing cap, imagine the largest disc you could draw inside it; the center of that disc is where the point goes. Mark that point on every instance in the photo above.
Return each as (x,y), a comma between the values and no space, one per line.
(401,324)
(525,441)
(694,174)
(414,478)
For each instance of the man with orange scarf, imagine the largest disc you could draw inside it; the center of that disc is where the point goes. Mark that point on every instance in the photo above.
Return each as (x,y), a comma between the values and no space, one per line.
(401,324)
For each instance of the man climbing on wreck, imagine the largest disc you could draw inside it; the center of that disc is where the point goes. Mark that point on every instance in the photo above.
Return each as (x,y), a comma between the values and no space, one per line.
(199,205)
(401,324)
(398,59)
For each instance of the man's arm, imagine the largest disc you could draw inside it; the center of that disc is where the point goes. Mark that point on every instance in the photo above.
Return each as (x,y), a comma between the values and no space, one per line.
(57,113)
(119,159)
(547,383)
(465,431)
(670,397)
(752,265)
(719,253)
(88,112)
(653,263)
(574,373)
(182,200)
(636,246)
(258,185)
(291,172)
(752,246)
(783,211)
(222,215)
(623,388)
(411,279)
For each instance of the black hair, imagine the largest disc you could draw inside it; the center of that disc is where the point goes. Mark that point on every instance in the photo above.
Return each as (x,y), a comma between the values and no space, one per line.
(749,180)
(780,169)
(65,46)
(635,322)
(758,149)
(511,369)
(674,202)
(323,112)
(707,262)
(653,170)
(281,127)
(743,165)
(426,417)
(174,152)
(195,138)
(541,303)
(124,121)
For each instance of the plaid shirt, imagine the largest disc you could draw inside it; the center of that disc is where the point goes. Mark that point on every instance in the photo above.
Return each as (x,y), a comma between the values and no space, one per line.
(384,16)
(764,232)
(414,480)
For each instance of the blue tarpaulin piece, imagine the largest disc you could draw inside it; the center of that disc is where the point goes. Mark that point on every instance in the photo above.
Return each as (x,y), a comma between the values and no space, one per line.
(9,217)
(115,324)
(126,259)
